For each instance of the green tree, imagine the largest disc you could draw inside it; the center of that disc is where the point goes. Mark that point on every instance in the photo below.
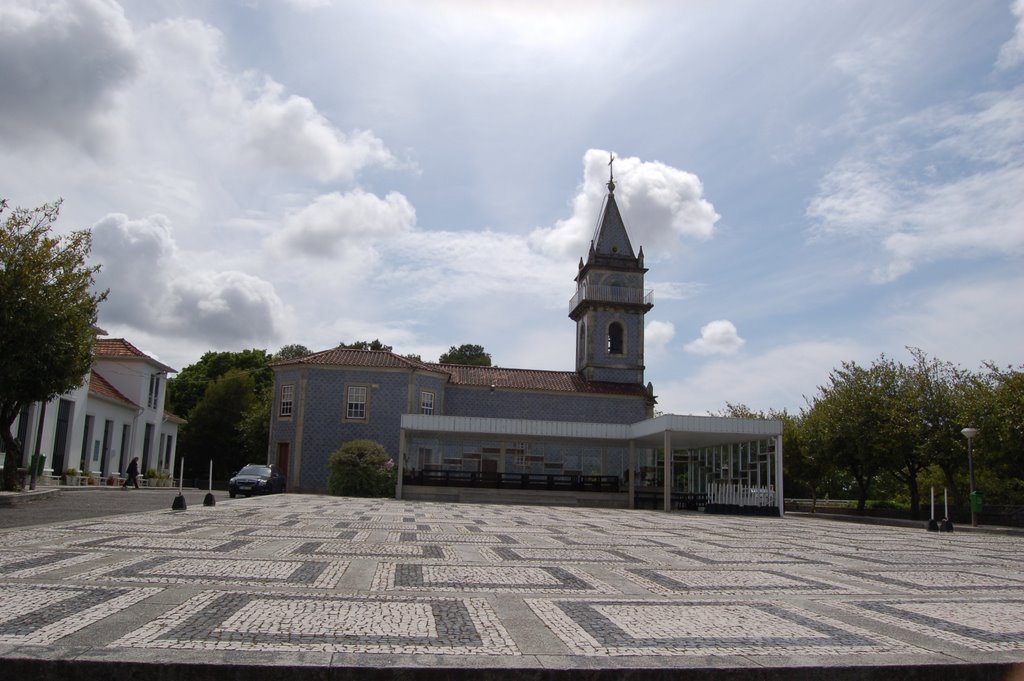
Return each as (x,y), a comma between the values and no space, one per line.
(466,354)
(213,430)
(361,468)
(293,351)
(853,419)
(996,407)
(254,427)
(185,390)
(375,344)
(48,309)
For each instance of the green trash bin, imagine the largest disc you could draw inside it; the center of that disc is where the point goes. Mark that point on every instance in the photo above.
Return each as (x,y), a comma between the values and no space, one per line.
(976,502)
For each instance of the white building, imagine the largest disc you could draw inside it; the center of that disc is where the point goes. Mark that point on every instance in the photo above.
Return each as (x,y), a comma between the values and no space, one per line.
(115,415)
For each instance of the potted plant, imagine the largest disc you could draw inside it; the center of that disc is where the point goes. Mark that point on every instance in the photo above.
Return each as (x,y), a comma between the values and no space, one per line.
(71,477)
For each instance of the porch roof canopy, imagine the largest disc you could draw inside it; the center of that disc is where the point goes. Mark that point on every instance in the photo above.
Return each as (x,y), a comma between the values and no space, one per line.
(684,432)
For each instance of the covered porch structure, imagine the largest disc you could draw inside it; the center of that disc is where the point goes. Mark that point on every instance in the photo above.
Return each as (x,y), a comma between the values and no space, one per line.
(672,460)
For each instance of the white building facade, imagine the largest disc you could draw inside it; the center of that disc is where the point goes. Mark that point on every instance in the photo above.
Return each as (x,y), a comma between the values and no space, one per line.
(116,414)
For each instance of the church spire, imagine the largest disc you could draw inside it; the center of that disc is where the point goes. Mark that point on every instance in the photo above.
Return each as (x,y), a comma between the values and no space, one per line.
(610,301)
(611,239)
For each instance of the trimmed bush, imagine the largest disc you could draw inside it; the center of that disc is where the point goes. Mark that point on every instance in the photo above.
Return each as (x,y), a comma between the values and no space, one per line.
(361,468)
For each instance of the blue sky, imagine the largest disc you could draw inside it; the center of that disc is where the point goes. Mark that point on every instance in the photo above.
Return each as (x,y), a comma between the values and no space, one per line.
(811,182)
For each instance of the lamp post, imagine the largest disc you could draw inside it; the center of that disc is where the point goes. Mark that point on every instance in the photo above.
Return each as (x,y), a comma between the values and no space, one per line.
(969,433)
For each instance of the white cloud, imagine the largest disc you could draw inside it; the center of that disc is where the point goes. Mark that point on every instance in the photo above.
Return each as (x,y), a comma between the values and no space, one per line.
(953,188)
(662,207)
(777,379)
(1011,54)
(717,338)
(657,336)
(245,119)
(61,65)
(155,289)
(290,132)
(965,321)
(355,221)
(675,290)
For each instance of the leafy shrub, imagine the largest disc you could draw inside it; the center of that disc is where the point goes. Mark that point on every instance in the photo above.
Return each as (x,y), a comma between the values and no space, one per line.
(361,468)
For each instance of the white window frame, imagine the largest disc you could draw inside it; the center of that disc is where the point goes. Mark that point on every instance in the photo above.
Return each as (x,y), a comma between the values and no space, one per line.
(427,402)
(287,404)
(353,412)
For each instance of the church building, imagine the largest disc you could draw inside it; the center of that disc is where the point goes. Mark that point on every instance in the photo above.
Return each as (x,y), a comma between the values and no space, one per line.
(587,436)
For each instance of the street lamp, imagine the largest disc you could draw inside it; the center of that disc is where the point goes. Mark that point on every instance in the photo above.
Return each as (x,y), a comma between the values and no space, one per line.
(969,433)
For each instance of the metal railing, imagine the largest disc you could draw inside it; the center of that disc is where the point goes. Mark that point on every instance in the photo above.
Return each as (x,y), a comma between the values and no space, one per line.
(612,294)
(535,481)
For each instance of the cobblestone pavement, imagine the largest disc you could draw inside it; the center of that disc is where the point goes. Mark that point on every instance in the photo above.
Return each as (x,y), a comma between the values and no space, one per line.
(373,583)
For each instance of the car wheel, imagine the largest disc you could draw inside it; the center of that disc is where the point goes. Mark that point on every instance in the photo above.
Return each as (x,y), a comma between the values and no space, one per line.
(231,494)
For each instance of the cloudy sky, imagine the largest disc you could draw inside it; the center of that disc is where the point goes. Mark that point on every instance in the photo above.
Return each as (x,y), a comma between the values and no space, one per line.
(811,182)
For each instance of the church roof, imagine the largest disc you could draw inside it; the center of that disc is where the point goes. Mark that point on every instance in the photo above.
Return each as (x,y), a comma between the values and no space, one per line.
(469,375)
(610,247)
(611,239)
(533,379)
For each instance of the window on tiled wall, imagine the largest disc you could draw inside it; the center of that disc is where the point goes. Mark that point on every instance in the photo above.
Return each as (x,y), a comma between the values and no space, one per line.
(426,402)
(355,407)
(287,400)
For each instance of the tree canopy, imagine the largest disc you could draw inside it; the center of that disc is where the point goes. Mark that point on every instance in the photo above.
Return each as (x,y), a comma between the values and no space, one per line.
(48,310)
(466,354)
(292,351)
(185,390)
(889,430)
(213,433)
(375,344)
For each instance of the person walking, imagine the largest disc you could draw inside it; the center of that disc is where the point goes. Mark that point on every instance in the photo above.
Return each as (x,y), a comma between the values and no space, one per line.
(132,474)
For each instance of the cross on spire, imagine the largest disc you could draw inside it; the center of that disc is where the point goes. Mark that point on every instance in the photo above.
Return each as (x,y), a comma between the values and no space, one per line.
(611,173)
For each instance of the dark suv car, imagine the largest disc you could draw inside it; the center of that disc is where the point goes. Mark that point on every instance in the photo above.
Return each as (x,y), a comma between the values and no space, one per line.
(256,478)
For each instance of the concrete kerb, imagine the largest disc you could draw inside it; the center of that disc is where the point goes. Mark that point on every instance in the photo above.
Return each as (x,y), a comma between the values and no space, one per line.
(27,496)
(84,669)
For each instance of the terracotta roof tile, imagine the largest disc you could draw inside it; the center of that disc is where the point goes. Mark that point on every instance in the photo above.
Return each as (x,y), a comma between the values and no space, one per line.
(461,374)
(119,348)
(101,387)
(377,359)
(533,379)
(173,418)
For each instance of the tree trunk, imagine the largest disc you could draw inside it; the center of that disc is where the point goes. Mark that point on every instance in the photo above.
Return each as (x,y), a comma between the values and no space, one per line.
(915,496)
(10,482)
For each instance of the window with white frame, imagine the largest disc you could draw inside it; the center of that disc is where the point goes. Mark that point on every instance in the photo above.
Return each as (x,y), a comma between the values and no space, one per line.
(426,402)
(287,401)
(355,407)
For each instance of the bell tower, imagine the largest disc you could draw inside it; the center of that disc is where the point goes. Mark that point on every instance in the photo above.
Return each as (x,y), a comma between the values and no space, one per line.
(610,301)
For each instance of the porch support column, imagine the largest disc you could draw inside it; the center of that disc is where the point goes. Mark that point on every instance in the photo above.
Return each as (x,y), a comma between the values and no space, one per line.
(402,444)
(631,474)
(667,486)
(779,496)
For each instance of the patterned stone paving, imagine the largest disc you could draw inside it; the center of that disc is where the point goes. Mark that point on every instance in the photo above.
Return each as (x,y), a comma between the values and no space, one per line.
(351,624)
(305,575)
(187,570)
(30,564)
(413,577)
(40,614)
(631,627)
